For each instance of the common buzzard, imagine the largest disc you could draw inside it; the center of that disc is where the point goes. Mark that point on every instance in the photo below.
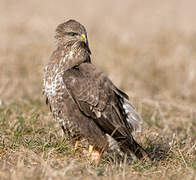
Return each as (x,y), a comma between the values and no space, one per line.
(84,100)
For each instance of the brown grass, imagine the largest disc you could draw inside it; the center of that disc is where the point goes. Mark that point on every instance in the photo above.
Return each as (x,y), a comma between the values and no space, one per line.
(148,48)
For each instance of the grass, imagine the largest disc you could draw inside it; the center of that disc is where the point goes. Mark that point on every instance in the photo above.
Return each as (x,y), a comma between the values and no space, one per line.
(148,54)
(31,143)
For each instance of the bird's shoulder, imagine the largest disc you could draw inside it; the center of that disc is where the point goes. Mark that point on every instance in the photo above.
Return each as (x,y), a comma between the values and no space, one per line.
(88,84)
(85,73)
(83,83)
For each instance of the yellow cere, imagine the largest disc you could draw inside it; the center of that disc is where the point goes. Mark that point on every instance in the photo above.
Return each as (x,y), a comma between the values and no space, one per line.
(83,36)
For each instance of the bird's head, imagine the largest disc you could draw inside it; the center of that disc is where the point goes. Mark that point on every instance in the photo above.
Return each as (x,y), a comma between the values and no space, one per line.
(72,33)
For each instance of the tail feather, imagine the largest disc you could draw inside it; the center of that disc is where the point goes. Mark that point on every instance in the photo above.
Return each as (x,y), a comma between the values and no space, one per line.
(131,145)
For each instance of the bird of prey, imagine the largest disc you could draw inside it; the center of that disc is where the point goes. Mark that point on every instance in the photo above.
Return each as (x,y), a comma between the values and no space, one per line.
(84,100)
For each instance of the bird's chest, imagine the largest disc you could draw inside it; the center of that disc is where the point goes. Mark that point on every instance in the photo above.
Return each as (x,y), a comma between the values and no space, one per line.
(53,82)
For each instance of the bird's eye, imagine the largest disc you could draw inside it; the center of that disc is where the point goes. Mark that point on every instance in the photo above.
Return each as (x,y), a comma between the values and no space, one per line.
(73,34)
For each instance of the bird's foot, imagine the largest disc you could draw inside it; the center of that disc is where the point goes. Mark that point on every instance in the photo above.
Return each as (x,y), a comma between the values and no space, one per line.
(76,145)
(93,155)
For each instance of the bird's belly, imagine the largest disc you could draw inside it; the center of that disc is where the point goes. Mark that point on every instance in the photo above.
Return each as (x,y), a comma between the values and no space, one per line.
(65,112)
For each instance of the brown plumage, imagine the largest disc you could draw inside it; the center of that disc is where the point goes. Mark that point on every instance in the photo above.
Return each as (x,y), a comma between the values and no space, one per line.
(83,99)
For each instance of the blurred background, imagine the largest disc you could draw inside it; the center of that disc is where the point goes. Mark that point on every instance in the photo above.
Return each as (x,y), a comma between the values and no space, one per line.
(148,48)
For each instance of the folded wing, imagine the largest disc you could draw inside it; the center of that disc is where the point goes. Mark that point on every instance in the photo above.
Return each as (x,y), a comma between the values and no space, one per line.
(100,100)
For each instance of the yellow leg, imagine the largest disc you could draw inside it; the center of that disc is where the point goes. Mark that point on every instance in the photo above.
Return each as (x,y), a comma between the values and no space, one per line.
(76,145)
(90,150)
(93,155)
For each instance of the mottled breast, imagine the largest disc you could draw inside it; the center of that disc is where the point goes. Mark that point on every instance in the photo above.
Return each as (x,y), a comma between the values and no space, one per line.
(55,90)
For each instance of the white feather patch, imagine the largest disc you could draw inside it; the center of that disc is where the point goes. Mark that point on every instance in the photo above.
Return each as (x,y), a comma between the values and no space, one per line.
(98,113)
(132,116)
(112,143)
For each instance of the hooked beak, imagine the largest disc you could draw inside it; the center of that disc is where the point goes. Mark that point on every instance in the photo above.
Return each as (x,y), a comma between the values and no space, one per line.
(82,38)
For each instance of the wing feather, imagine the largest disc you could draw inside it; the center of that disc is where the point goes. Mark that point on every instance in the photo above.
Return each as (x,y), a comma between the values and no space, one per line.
(99,99)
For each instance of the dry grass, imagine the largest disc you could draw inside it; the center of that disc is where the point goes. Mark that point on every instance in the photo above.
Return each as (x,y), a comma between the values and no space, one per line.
(147,48)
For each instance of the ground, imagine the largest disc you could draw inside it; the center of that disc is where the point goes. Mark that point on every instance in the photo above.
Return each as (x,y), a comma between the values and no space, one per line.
(146,48)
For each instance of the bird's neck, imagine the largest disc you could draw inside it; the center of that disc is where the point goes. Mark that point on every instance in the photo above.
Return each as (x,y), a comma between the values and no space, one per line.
(74,56)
